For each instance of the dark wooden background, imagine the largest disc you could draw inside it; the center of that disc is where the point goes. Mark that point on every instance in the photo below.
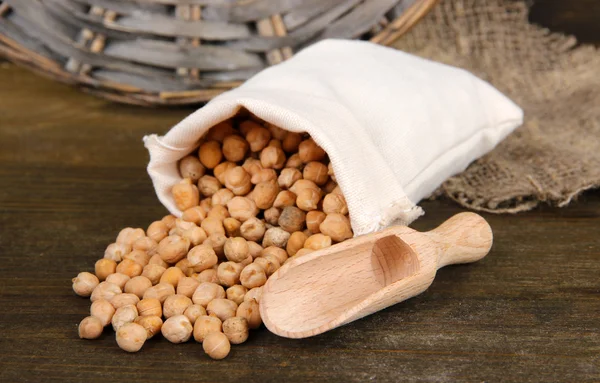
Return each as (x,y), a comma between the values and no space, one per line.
(72,174)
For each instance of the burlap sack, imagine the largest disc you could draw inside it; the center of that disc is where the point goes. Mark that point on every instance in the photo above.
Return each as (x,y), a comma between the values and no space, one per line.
(555,155)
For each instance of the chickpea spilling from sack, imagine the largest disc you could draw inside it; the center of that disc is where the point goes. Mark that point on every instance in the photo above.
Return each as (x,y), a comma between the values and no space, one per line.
(253,197)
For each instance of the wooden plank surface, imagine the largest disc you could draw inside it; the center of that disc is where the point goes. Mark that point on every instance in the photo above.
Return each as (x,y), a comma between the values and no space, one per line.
(72,173)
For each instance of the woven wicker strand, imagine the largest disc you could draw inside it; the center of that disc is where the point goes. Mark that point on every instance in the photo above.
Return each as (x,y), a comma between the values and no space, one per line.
(174,52)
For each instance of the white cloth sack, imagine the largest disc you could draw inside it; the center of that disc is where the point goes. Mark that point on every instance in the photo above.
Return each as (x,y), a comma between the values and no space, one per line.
(395,126)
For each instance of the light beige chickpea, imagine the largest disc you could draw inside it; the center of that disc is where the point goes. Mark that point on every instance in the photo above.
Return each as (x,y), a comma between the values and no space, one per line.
(213,225)
(275,143)
(291,142)
(85,283)
(222,196)
(308,199)
(219,212)
(177,329)
(125,299)
(184,265)
(131,337)
(118,279)
(272,215)
(222,169)
(138,256)
(275,236)
(335,203)
(263,175)
(316,172)
(264,194)
(330,172)
(236,330)
(314,219)
(229,273)
(196,235)
(217,242)
(317,241)
(238,181)
(277,252)
(208,185)
(308,150)
(234,148)
(232,227)
(236,249)
(249,310)
(175,305)
(173,248)
(210,154)
(272,157)
(253,229)
(147,245)
(236,293)
(103,310)
(294,162)
(205,325)
(130,268)
(157,260)
(206,205)
(191,167)
(169,221)
(257,136)
(137,285)
(157,230)
(202,257)
(153,272)
(288,177)
(302,185)
(209,275)
(291,219)
(193,312)
(222,308)
(151,323)
(180,226)
(185,194)
(252,276)
(216,345)
(90,328)
(254,249)
(206,292)
(296,242)
(160,291)
(253,294)
(242,208)
(269,263)
(116,251)
(129,235)
(172,275)
(337,226)
(194,214)
(104,267)
(125,314)
(285,198)
(149,307)
(187,286)
(252,166)
(220,131)
(337,190)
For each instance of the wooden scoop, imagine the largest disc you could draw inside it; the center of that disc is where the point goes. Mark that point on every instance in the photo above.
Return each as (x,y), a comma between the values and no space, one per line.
(337,285)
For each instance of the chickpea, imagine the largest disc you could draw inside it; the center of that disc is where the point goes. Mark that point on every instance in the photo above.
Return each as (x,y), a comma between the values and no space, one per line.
(160,291)
(272,157)
(193,312)
(172,275)
(84,284)
(294,162)
(276,132)
(275,236)
(195,235)
(316,172)
(296,242)
(103,310)
(169,221)
(236,293)
(138,286)
(105,267)
(249,310)
(118,279)
(263,175)
(128,236)
(175,305)
(238,181)
(116,251)
(151,323)
(90,328)
(157,231)
(138,256)
(105,290)
(291,142)
(335,203)
(125,314)
(222,169)
(253,294)
(330,186)
(288,177)
(234,148)
(216,345)
(285,198)
(302,184)
(252,276)
(219,212)
(236,330)
(153,272)
(217,242)
(269,263)
(185,194)
(145,244)
(222,308)
(206,292)
(206,205)
(292,219)
(242,208)
(130,268)
(187,286)
(177,329)
(208,185)
(222,196)
(131,337)
(229,273)
(236,249)
(276,252)
(194,214)
(191,167)
(149,307)
(272,215)
(257,136)
(317,241)
(220,131)
(205,325)
(209,275)
(264,194)
(308,150)
(232,227)
(121,300)
(173,248)
(337,226)
(254,249)
(210,154)
(202,257)
(308,199)
(314,219)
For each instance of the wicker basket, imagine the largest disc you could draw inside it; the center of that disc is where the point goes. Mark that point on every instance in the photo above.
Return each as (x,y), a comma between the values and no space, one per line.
(151,52)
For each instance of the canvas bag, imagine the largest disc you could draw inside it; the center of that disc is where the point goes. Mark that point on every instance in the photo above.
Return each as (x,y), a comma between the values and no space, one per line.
(395,126)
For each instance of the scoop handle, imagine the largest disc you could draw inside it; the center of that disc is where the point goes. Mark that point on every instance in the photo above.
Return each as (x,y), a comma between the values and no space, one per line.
(464,238)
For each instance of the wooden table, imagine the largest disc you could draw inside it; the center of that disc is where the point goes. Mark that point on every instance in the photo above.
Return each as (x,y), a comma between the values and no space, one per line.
(72,174)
